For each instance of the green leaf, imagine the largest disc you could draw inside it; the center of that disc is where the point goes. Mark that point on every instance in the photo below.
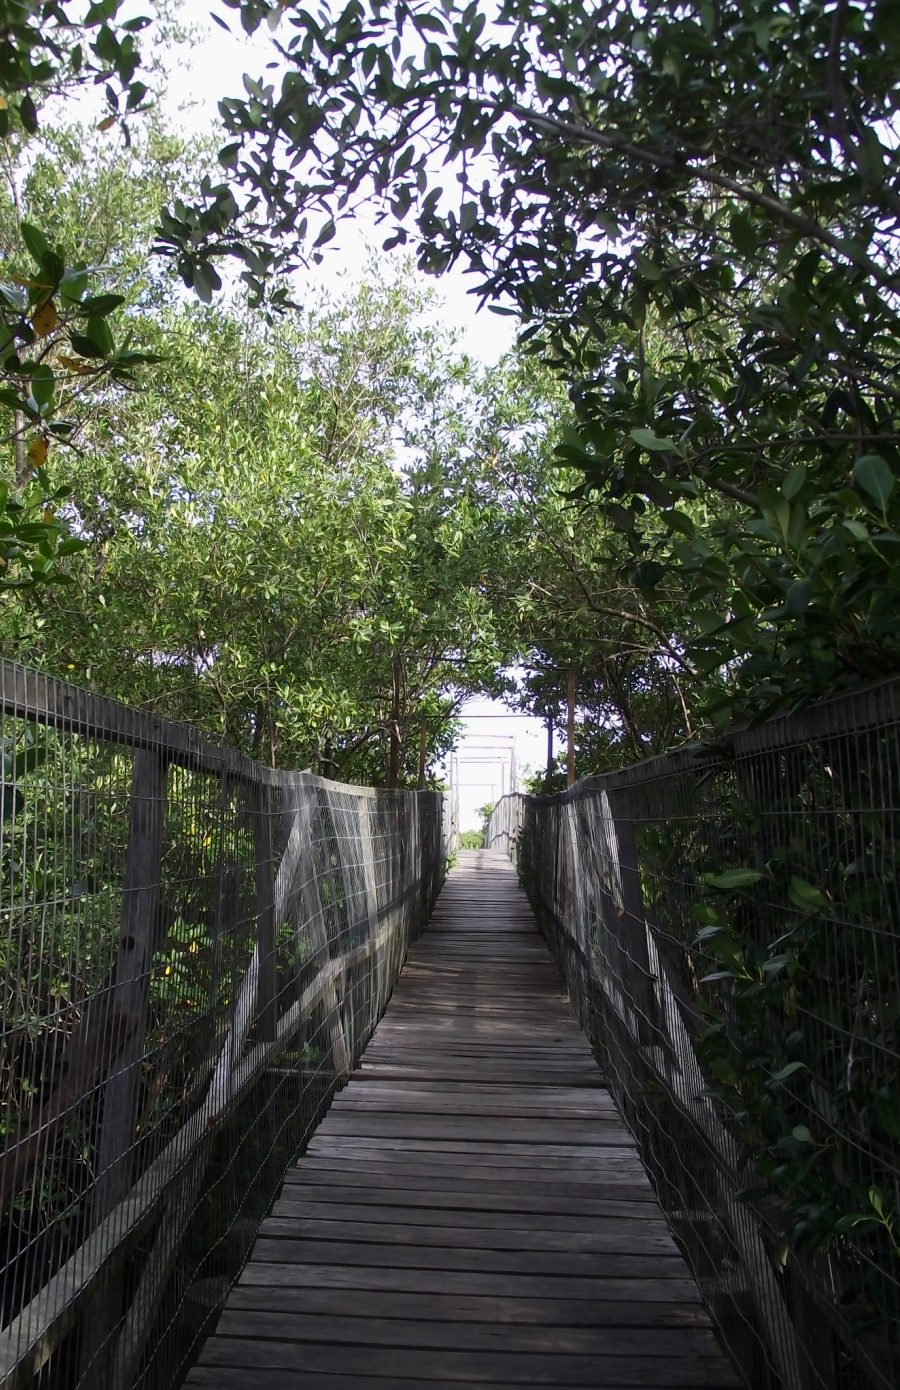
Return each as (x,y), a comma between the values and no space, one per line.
(101,304)
(42,386)
(206,281)
(708,933)
(805,895)
(648,440)
(733,878)
(874,477)
(326,234)
(794,481)
(35,240)
(84,346)
(744,234)
(73,285)
(28,113)
(790,1070)
(797,598)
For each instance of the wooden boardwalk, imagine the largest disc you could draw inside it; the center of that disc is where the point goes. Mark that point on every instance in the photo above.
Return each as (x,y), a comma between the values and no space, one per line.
(471,1211)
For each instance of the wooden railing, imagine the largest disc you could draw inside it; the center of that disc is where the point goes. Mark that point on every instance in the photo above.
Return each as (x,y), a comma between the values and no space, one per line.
(727,920)
(193,951)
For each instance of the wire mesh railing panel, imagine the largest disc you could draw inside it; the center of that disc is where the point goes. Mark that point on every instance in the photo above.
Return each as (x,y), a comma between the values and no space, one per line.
(195,950)
(726,919)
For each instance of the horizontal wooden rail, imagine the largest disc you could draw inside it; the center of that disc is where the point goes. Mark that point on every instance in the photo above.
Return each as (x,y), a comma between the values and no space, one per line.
(41,699)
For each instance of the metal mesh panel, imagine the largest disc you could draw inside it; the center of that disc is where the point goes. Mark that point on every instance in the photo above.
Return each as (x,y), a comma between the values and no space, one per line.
(195,950)
(726,919)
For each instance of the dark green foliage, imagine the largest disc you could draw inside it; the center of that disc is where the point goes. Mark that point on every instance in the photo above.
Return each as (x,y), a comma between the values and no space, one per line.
(693,210)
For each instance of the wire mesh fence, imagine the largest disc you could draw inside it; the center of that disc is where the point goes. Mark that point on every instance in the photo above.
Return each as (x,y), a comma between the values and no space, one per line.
(726,918)
(194,950)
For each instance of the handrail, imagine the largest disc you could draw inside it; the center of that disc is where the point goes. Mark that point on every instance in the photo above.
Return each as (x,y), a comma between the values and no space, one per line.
(726,918)
(202,917)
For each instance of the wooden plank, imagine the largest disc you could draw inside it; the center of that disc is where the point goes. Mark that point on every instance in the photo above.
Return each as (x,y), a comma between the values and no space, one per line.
(560,1134)
(396,1331)
(266,925)
(419,1255)
(524,1101)
(476,1183)
(547,1155)
(310,920)
(616,1216)
(482,1368)
(243,1378)
(495,1287)
(298,1196)
(421,1306)
(139,939)
(478,1236)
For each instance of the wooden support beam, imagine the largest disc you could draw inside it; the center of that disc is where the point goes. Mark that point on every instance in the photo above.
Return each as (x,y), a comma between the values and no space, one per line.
(302,842)
(266,926)
(139,940)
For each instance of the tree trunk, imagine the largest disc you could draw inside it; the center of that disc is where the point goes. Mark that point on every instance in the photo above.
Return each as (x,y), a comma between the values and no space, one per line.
(570,729)
(393,772)
(423,754)
(548,775)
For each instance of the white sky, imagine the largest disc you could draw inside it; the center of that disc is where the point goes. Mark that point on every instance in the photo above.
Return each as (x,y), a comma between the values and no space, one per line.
(213,68)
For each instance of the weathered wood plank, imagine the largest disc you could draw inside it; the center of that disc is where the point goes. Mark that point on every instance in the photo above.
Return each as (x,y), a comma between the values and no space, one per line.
(461,1199)
(419,1255)
(481,1186)
(482,1368)
(243,1378)
(594,1291)
(395,1331)
(452,1308)
(477,1235)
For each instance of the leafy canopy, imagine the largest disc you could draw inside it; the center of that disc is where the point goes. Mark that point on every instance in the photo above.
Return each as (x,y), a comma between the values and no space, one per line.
(56,338)
(693,209)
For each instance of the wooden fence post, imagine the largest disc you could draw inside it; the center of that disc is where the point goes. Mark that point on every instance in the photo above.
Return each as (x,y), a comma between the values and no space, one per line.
(300,839)
(570,728)
(128,1009)
(632,931)
(267,995)
(138,943)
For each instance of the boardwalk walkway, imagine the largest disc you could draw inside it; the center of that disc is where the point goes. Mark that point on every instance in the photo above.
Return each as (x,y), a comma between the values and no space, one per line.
(471,1211)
